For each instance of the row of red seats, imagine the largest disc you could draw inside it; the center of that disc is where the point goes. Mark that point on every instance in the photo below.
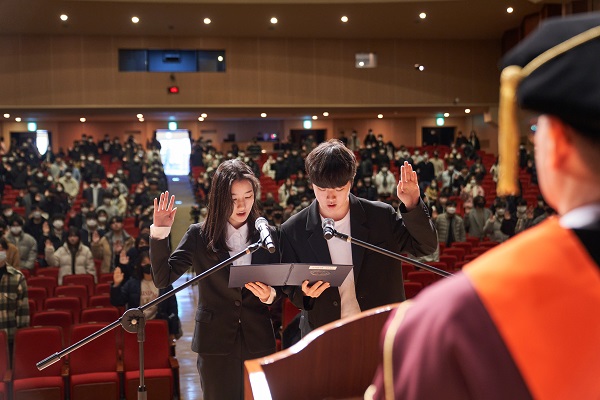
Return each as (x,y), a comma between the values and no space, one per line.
(105,368)
(451,259)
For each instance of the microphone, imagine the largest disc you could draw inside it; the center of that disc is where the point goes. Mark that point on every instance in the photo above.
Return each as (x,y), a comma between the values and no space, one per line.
(328,228)
(262,226)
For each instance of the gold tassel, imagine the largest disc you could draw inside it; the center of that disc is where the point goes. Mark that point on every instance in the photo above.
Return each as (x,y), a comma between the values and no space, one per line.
(508,131)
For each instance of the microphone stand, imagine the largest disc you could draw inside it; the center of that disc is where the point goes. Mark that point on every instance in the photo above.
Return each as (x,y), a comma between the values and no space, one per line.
(388,253)
(133,320)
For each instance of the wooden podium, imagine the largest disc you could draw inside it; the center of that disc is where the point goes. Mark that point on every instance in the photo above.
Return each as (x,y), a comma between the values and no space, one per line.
(335,361)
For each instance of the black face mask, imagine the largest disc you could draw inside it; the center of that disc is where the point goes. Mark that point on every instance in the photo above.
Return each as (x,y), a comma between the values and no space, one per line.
(144,248)
(146,269)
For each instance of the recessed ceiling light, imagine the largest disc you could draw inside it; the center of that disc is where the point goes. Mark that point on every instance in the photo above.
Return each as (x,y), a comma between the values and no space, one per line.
(82,119)
(510,10)
(422,15)
(139,116)
(326,114)
(7,115)
(207,21)
(204,115)
(135,20)
(379,116)
(141,119)
(18,119)
(200,119)
(314,117)
(420,67)
(220,58)
(467,110)
(264,115)
(64,17)
(446,115)
(274,20)
(344,19)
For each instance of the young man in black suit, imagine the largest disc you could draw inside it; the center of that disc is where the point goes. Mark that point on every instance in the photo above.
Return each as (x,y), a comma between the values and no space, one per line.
(376,279)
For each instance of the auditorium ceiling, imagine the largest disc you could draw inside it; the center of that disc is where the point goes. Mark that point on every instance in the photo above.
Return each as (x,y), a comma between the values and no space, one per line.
(319,19)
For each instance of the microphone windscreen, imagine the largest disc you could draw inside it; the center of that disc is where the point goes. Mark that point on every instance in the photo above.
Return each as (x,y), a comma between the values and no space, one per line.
(260,221)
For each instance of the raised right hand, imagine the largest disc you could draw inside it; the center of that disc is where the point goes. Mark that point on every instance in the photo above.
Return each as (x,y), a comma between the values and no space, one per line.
(118,276)
(164,213)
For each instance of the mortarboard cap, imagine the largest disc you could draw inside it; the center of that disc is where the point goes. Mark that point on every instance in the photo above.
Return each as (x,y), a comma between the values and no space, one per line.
(555,70)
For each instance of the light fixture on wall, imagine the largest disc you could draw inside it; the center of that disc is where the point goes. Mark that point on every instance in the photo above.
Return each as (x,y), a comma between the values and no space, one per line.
(173,89)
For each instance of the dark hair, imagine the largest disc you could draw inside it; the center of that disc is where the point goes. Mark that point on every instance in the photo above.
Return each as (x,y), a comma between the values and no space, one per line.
(137,271)
(143,236)
(450,203)
(74,231)
(115,218)
(18,219)
(4,243)
(220,204)
(331,165)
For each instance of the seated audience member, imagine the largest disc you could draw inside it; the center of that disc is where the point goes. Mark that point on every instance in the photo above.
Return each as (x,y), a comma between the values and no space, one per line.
(12,252)
(476,218)
(450,227)
(15,314)
(108,206)
(70,184)
(108,247)
(23,241)
(520,221)
(139,290)
(94,194)
(73,257)
(385,182)
(102,221)
(493,226)
(55,232)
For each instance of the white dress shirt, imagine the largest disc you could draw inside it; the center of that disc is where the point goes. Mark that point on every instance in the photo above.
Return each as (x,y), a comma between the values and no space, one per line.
(341,253)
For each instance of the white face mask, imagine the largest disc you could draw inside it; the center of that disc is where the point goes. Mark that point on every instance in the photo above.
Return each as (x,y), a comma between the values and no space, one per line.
(522,209)
(58,224)
(2,256)
(16,230)
(451,210)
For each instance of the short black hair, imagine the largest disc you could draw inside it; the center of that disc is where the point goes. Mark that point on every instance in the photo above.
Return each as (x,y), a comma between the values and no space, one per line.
(331,165)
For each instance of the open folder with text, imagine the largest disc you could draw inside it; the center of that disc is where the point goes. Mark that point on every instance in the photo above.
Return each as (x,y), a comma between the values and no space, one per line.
(288,274)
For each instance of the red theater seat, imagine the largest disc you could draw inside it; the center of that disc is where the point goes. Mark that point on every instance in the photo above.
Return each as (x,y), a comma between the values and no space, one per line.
(161,371)
(30,347)
(96,380)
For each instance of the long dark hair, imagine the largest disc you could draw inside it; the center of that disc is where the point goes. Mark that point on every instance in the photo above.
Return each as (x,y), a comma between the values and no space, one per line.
(220,204)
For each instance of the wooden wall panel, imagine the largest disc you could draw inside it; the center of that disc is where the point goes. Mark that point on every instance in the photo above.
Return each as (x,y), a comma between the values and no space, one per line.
(302,70)
(406,80)
(83,71)
(329,80)
(380,89)
(36,72)
(100,61)
(10,67)
(485,75)
(356,80)
(243,70)
(67,70)
(272,72)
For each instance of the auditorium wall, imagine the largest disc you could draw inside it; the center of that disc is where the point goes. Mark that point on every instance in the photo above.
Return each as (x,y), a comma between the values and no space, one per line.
(79,72)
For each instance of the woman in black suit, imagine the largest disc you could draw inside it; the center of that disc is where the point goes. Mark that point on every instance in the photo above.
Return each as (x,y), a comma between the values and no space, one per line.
(232,324)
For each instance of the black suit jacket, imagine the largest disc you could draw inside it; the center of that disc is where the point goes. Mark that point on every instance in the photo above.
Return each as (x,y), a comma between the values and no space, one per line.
(377,278)
(221,310)
(88,195)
